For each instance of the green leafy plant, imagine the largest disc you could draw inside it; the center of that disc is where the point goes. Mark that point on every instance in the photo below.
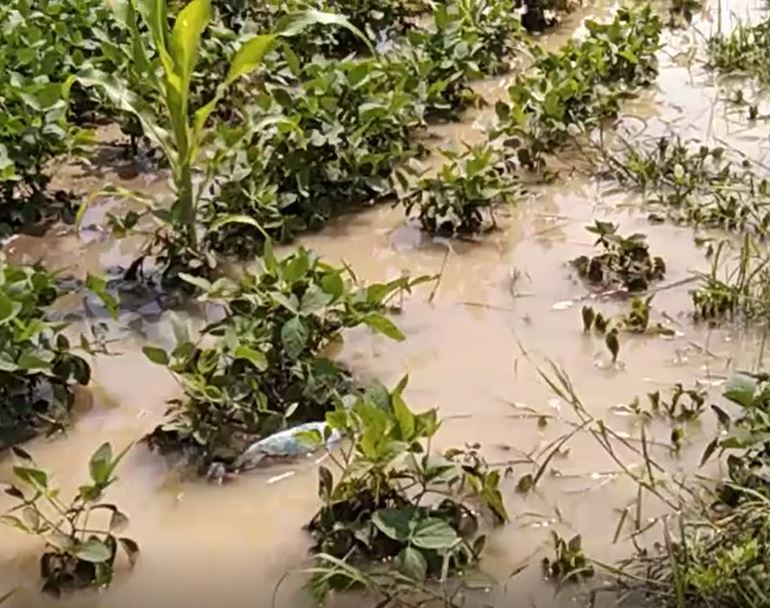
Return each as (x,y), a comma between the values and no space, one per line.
(625,263)
(324,140)
(694,184)
(80,551)
(37,369)
(569,563)
(396,509)
(263,366)
(467,188)
(636,321)
(743,51)
(738,289)
(180,131)
(570,92)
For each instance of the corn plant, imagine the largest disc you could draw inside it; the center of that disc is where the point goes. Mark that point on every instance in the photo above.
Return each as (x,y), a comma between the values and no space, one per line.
(179,130)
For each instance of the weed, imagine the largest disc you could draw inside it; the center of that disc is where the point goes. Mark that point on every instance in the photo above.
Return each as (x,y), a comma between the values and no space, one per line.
(395,507)
(625,262)
(262,366)
(467,188)
(78,552)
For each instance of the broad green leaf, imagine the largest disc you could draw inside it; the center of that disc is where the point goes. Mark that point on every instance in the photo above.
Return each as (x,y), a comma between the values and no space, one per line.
(293,24)
(33,476)
(98,286)
(394,523)
(404,417)
(314,300)
(8,308)
(249,57)
(433,533)
(99,465)
(741,389)
(256,357)
(411,563)
(156,355)
(294,337)
(238,219)
(200,283)
(126,100)
(186,37)
(384,326)
(94,551)
(155,16)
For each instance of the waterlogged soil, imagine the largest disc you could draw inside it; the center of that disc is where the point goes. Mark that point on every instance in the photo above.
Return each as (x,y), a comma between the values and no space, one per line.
(504,308)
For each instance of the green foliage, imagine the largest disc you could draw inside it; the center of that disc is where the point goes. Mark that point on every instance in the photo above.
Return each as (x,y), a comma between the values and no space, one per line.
(324,140)
(262,366)
(396,508)
(43,44)
(743,51)
(571,92)
(80,544)
(465,40)
(692,185)
(738,289)
(36,365)
(179,131)
(625,262)
(467,188)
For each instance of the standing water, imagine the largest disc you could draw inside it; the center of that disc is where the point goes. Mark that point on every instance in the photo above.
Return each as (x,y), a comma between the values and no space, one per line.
(502,309)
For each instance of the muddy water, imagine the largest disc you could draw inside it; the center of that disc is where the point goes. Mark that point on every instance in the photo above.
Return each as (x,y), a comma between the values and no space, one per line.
(502,309)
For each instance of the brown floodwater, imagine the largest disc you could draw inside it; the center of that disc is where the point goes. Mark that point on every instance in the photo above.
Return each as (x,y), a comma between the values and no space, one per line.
(504,307)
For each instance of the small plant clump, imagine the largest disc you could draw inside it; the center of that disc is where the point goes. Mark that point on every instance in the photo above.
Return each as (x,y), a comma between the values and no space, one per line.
(695,185)
(743,51)
(79,550)
(625,263)
(739,289)
(262,366)
(569,563)
(461,198)
(571,92)
(636,321)
(397,516)
(37,367)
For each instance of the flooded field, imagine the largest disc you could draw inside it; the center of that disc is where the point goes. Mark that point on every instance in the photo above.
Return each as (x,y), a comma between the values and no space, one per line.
(503,308)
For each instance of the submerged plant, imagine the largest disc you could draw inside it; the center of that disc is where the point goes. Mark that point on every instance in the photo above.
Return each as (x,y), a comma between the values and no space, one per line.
(80,545)
(743,51)
(636,321)
(694,184)
(396,511)
(262,366)
(569,563)
(739,290)
(625,262)
(462,196)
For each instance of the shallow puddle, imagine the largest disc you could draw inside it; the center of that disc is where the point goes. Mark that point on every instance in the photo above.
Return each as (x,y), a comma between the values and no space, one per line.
(503,308)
